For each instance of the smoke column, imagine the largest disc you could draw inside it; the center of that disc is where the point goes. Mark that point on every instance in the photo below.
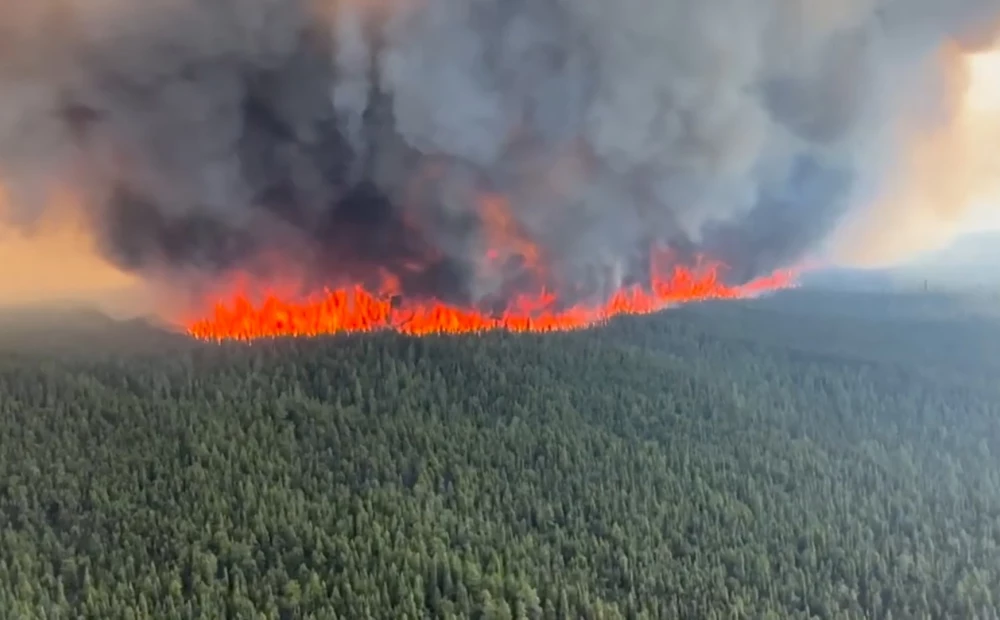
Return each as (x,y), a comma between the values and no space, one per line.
(344,140)
(948,175)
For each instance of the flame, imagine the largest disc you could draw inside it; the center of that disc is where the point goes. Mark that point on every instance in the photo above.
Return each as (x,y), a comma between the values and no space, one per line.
(504,236)
(355,309)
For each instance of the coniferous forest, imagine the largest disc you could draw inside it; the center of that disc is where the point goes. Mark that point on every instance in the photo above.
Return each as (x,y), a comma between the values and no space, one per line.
(812,455)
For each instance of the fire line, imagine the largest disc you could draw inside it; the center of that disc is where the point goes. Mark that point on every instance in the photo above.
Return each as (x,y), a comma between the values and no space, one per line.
(355,309)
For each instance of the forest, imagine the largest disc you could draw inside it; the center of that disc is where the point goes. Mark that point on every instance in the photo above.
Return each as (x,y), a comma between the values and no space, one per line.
(811,455)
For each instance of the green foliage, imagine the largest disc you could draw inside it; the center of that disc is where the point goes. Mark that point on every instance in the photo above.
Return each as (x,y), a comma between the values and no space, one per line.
(661,467)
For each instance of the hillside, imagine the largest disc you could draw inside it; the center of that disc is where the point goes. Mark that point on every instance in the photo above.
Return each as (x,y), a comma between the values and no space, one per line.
(968,264)
(61,331)
(795,457)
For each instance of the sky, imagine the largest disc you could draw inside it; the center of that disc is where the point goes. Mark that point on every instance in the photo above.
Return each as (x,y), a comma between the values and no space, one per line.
(945,180)
(56,262)
(983,99)
(983,218)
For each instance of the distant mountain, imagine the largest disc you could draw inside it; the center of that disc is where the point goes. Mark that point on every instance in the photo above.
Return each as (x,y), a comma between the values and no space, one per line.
(971,262)
(855,280)
(73,328)
(967,250)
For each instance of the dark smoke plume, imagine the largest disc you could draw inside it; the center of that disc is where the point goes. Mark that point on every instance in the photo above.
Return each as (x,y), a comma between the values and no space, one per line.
(346,135)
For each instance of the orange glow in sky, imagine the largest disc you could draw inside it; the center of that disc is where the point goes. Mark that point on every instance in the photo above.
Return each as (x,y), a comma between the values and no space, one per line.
(984,82)
(57,261)
(947,181)
(983,102)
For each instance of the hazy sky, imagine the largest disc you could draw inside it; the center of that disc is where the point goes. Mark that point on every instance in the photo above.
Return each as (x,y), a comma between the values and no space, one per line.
(984,99)
(57,263)
(984,217)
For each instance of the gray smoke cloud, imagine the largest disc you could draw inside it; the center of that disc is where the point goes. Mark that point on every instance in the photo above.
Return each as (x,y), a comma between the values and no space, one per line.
(205,136)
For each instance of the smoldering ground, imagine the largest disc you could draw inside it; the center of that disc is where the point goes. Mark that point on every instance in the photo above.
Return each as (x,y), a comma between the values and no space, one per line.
(351,136)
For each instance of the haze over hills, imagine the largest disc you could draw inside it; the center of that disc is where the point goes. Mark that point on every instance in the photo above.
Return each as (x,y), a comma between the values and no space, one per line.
(970,264)
(55,329)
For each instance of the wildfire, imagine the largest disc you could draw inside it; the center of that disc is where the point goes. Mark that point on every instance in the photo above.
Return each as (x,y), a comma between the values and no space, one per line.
(358,310)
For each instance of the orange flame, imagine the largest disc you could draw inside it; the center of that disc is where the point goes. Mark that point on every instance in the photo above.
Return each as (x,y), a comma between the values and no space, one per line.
(504,235)
(355,309)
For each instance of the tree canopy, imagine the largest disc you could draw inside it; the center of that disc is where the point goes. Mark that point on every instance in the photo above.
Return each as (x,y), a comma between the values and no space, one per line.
(720,462)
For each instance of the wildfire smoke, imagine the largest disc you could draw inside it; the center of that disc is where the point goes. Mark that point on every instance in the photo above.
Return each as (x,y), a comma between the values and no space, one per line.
(497,163)
(948,177)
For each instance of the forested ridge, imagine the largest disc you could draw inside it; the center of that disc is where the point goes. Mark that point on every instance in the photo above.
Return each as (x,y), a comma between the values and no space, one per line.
(727,461)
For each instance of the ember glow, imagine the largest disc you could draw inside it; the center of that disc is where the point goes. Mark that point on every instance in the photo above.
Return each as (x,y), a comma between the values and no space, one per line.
(359,310)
